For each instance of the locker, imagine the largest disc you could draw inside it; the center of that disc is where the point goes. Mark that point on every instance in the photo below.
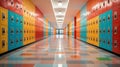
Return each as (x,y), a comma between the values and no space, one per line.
(4,31)
(3,45)
(116,29)
(11,43)
(3,16)
(18,7)
(109,30)
(116,45)
(102,28)
(116,15)
(17,42)
(4,3)
(11,31)
(11,5)
(11,18)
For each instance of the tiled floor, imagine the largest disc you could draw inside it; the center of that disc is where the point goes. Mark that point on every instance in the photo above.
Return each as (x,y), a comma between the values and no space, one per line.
(59,51)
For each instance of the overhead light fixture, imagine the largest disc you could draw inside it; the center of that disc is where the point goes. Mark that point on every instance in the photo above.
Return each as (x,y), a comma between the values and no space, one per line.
(58,4)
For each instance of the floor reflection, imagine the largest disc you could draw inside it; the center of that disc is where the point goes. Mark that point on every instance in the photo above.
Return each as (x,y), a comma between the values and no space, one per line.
(59,51)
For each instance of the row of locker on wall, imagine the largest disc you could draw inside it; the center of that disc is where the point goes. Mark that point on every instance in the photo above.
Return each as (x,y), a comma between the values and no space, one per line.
(12,31)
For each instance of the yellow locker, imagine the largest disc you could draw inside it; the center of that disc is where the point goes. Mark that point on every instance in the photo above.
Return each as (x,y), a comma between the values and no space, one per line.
(3,45)
(3,16)
(4,31)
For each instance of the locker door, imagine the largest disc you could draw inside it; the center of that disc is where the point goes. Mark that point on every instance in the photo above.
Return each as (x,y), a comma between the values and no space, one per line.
(3,16)
(3,45)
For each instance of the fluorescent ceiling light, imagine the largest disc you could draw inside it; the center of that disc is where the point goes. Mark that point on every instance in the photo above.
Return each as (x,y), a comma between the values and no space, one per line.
(60,4)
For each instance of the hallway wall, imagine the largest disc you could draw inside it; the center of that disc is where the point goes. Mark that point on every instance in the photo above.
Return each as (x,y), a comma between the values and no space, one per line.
(21,23)
(99,24)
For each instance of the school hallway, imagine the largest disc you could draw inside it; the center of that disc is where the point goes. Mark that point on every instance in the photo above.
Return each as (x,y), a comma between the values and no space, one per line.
(59,33)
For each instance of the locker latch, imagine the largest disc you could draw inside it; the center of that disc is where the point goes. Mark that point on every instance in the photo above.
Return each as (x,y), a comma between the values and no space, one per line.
(12,31)
(12,18)
(20,31)
(11,42)
(3,31)
(115,43)
(115,30)
(16,30)
(16,40)
(21,21)
(108,17)
(3,43)
(108,42)
(17,20)
(115,15)
(108,30)
(3,16)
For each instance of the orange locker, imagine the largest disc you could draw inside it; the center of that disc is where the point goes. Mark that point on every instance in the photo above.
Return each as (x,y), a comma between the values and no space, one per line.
(77,27)
(3,16)
(3,45)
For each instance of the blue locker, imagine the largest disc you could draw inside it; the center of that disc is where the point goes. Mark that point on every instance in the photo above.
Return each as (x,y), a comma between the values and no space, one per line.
(11,43)
(11,30)
(106,30)
(102,30)
(19,30)
(83,23)
(109,30)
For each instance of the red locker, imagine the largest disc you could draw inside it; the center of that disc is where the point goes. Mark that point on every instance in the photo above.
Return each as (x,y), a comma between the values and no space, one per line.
(4,3)
(19,7)
(116,30)
(11,5)
(106,5)
(39,24)
(116,15)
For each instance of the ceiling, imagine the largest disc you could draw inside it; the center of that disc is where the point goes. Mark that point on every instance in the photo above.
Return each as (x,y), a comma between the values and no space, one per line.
(49,12)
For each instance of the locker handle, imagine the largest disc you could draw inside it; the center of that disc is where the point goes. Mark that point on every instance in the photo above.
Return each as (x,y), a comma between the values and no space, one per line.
(16,40)
(3,16)
(103,3)
(3,31)
(12,3)
(103,19)
(108,30)
(21,21)
(17,20)
(17,31)
(17,6)
(115,43)
(3,43)
(11,42)
(115,15)
(108,42)
(115,30)
(108,1)
(109,17)
(12,31)
(24,11)
(12,18)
